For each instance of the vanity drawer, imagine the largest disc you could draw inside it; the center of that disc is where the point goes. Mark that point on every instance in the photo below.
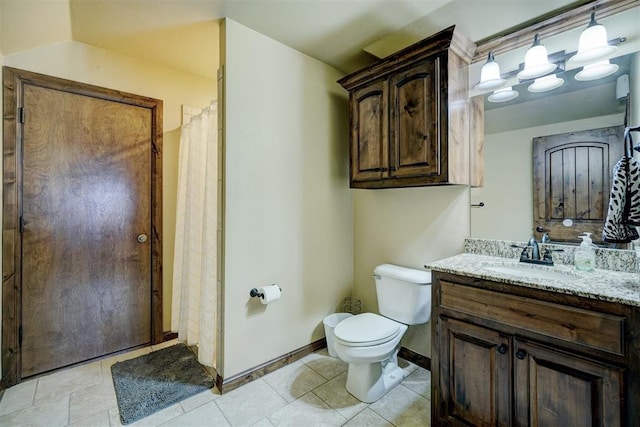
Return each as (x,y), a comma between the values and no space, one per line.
(585,327)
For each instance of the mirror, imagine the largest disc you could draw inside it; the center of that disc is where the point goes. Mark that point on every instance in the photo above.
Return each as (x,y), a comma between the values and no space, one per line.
(510,128)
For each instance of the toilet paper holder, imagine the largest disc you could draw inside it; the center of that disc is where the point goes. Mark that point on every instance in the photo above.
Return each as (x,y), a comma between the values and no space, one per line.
(256,293)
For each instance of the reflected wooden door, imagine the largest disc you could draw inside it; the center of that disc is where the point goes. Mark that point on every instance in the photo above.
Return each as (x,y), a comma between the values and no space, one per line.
(572,180)
(86,222)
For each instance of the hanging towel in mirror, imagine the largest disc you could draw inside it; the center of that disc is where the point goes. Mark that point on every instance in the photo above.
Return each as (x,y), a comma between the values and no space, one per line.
(624,202)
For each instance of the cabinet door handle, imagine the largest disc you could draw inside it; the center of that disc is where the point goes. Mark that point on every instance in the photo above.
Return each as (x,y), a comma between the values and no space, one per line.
(503,349)
(521,354)
(393,168)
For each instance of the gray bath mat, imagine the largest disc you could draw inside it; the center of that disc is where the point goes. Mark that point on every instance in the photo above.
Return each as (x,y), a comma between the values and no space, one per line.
(152,382)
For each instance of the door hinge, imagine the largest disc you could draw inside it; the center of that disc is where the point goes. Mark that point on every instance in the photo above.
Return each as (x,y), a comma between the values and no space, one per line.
(20,335)
(21,114)
(21,224)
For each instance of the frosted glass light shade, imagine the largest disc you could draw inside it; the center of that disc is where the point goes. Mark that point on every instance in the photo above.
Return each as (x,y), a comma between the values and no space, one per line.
(503,95)
(597,70)
(593,44)
(536,62)
(545,83)
(490,75)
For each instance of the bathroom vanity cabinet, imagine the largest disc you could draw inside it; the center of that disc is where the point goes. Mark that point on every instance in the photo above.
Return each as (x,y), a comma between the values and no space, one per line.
(508,355)
(409,116)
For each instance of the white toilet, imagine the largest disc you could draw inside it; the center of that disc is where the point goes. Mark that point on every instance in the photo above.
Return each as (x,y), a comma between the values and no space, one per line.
(370,342)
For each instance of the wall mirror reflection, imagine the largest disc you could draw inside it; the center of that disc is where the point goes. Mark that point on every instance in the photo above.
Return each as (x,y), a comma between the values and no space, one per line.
(576,130)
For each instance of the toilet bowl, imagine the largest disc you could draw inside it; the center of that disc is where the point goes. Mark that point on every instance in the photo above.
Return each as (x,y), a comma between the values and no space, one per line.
(370,342)
(372,356)
(367,338)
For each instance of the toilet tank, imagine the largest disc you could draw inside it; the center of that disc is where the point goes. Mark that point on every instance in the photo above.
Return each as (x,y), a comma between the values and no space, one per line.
(404,294)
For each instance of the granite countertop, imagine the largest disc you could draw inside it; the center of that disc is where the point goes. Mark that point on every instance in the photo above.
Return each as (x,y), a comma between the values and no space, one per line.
(606,285)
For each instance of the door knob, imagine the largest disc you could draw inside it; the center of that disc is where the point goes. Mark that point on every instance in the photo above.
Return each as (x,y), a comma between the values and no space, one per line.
(142,238)
(521,354)
(503,349)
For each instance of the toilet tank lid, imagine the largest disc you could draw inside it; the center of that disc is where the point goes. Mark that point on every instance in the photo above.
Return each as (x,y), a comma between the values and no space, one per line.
(410,275)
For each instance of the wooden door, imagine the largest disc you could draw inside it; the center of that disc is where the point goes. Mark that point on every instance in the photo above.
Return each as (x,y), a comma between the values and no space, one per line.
(558,389)
(369,132)
(474,375)
(572,180)
(87,216)
(415,143)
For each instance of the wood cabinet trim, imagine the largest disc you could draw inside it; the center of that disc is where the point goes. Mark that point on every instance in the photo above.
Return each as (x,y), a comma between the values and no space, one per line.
(554,320)
(439,42)
(585,303)
(476,138)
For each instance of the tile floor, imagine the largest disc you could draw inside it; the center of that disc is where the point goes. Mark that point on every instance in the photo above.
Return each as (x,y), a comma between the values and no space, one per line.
(309,392)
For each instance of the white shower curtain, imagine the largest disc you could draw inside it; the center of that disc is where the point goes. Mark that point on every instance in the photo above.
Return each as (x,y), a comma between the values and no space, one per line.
(194,299)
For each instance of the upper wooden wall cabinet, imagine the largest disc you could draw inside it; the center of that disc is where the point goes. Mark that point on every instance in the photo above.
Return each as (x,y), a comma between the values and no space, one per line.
(410,115)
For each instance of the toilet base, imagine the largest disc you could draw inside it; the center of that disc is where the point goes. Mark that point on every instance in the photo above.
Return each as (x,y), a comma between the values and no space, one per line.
(368,382)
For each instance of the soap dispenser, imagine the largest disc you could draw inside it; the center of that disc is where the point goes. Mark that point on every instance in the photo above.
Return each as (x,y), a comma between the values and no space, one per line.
(585,258)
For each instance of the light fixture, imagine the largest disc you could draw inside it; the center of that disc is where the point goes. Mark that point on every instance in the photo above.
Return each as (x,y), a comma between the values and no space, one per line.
(597,70)
(593,44)
(536,61)
(490,75)
(503,95)
(545,83)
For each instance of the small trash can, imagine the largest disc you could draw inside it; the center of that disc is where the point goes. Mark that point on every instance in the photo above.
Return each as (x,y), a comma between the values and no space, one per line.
(330,323)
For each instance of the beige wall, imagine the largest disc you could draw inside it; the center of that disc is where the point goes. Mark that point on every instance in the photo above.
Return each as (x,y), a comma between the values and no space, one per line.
(27,24)
(408,227)
(288,213)
(86,64)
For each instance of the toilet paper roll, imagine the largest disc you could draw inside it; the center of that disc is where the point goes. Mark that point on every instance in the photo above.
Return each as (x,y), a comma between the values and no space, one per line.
(270,293)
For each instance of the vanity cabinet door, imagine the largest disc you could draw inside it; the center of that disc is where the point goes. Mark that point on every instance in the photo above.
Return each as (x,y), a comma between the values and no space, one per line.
(553,388)
(369,132)
(475,386)
(415,141)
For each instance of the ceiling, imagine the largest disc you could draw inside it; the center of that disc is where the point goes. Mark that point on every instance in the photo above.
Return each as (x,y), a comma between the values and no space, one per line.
(183,34)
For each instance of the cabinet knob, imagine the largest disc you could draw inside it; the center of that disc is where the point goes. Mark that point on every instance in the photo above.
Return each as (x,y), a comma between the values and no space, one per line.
(503,349)
(521,354)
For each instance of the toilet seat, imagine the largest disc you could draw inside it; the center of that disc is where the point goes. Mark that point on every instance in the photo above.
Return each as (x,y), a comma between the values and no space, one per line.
(366,330)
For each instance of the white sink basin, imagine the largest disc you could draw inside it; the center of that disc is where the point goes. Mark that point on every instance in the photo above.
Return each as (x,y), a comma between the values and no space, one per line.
(531,271)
